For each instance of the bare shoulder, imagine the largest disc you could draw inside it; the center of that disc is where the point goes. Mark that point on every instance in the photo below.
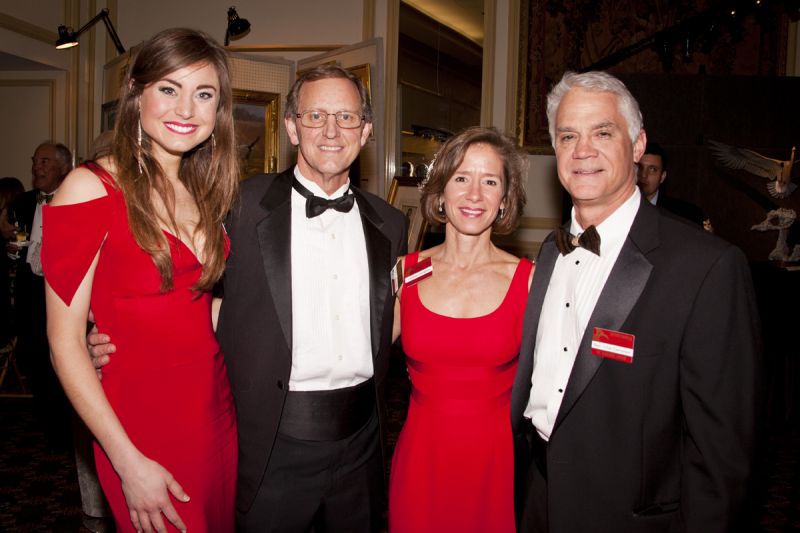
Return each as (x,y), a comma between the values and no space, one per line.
(80,185)
(429,252)
(510,263)
(507,262)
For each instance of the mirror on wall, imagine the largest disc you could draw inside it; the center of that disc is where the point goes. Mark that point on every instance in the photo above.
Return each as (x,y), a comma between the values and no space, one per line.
(440,56)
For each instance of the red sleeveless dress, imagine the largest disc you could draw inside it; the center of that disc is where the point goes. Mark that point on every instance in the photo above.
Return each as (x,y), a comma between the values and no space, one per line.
(167,381)
(453,467)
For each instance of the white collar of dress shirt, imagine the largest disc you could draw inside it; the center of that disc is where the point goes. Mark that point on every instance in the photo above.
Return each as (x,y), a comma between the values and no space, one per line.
(614,229)
(316,189)
(654,199)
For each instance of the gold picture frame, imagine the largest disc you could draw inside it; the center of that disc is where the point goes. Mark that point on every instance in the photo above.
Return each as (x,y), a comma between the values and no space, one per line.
(256,117)
(363,72)
(404,195)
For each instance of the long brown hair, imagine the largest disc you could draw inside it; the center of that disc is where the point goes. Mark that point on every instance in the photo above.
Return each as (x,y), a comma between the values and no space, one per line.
(209,171)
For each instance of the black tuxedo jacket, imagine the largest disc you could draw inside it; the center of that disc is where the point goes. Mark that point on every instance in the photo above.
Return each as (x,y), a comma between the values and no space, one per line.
(664,443)
(255,323)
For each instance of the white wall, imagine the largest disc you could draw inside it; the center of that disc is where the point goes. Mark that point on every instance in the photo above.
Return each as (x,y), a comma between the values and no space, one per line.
(36,94)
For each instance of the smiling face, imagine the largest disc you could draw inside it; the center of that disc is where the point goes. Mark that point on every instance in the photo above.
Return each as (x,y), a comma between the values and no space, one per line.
(324,155)
(179,111)
(474,194)
(596,158)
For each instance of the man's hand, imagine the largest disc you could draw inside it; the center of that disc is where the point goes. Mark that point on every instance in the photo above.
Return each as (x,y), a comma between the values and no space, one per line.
(100,348)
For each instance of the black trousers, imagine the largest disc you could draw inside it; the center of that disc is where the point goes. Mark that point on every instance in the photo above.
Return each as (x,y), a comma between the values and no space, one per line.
(53,409)
(321,487)
(531,481)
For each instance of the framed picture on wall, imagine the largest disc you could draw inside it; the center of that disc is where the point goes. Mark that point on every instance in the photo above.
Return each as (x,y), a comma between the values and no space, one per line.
(362,71)
(108,115)
(256,116)
(404,194)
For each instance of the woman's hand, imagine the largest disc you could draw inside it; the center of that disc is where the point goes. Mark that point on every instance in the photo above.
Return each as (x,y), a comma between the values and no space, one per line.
(147,486)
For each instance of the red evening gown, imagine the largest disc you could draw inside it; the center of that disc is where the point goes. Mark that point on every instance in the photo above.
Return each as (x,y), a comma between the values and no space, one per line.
(167,381)
(453,467)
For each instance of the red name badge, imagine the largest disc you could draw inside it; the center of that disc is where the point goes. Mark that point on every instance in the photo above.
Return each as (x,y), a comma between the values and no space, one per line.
(613,345)
(418,272)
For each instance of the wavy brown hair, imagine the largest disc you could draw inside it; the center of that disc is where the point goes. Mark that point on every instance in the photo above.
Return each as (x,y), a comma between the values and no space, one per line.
(209,171)
(451,155)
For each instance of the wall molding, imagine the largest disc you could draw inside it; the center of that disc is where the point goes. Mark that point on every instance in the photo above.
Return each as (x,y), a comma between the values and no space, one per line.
(487,74)
(51,85)
(539,223)
(27,29)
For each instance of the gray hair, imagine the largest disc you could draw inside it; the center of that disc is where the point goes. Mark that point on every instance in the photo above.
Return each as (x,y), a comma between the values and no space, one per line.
(63,154)
(595,81)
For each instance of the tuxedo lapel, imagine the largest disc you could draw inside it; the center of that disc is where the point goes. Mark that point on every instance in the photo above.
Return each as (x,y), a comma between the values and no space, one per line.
(533,310)
(275,240)
(379,253)
(625,284)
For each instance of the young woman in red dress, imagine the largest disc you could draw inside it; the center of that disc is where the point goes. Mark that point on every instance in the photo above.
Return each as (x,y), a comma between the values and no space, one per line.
(137,237)
(460,311)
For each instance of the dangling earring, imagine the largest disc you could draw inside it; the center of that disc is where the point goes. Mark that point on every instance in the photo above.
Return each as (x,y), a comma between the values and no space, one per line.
(502,213)
(213,141)
(139,147)
(441,208)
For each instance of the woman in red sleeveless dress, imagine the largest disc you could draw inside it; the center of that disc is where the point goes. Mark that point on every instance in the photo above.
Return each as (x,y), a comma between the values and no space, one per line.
(460,313)
(138,238)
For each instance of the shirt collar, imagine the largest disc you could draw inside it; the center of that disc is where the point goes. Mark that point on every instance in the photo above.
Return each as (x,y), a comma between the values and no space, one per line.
(654,199)
(316,189)
(614,229)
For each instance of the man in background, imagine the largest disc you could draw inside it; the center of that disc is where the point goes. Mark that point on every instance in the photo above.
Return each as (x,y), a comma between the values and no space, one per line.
(51,162)
(652,173)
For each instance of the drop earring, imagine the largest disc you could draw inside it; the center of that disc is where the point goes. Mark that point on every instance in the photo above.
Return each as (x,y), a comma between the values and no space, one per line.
(139,147)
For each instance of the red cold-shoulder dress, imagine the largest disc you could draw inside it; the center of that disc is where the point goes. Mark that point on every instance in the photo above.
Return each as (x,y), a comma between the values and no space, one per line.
(167,381)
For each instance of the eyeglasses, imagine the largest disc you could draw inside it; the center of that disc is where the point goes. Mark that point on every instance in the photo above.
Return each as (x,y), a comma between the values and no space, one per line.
(317,119)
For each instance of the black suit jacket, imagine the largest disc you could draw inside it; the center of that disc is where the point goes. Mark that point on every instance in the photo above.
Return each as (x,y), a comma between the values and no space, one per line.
(255,324)
(664,443)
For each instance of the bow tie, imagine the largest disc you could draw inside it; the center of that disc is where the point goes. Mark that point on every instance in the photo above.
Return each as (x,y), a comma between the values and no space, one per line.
(567,242)
(44,198)
(315,205)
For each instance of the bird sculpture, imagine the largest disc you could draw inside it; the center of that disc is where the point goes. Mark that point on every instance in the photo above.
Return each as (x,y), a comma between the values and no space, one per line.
(780,220)
(778,172)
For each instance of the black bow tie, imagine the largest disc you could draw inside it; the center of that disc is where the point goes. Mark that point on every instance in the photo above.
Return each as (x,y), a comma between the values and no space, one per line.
(567,242)
(44,198)
(315,205)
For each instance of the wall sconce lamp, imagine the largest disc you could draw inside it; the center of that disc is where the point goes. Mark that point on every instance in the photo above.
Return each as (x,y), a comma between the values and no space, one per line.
(68,38)
(237,27)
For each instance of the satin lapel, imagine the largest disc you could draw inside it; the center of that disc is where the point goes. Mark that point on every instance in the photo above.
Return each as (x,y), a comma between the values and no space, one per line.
(625,284)
(541,279)
(275,239)
(379,254)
